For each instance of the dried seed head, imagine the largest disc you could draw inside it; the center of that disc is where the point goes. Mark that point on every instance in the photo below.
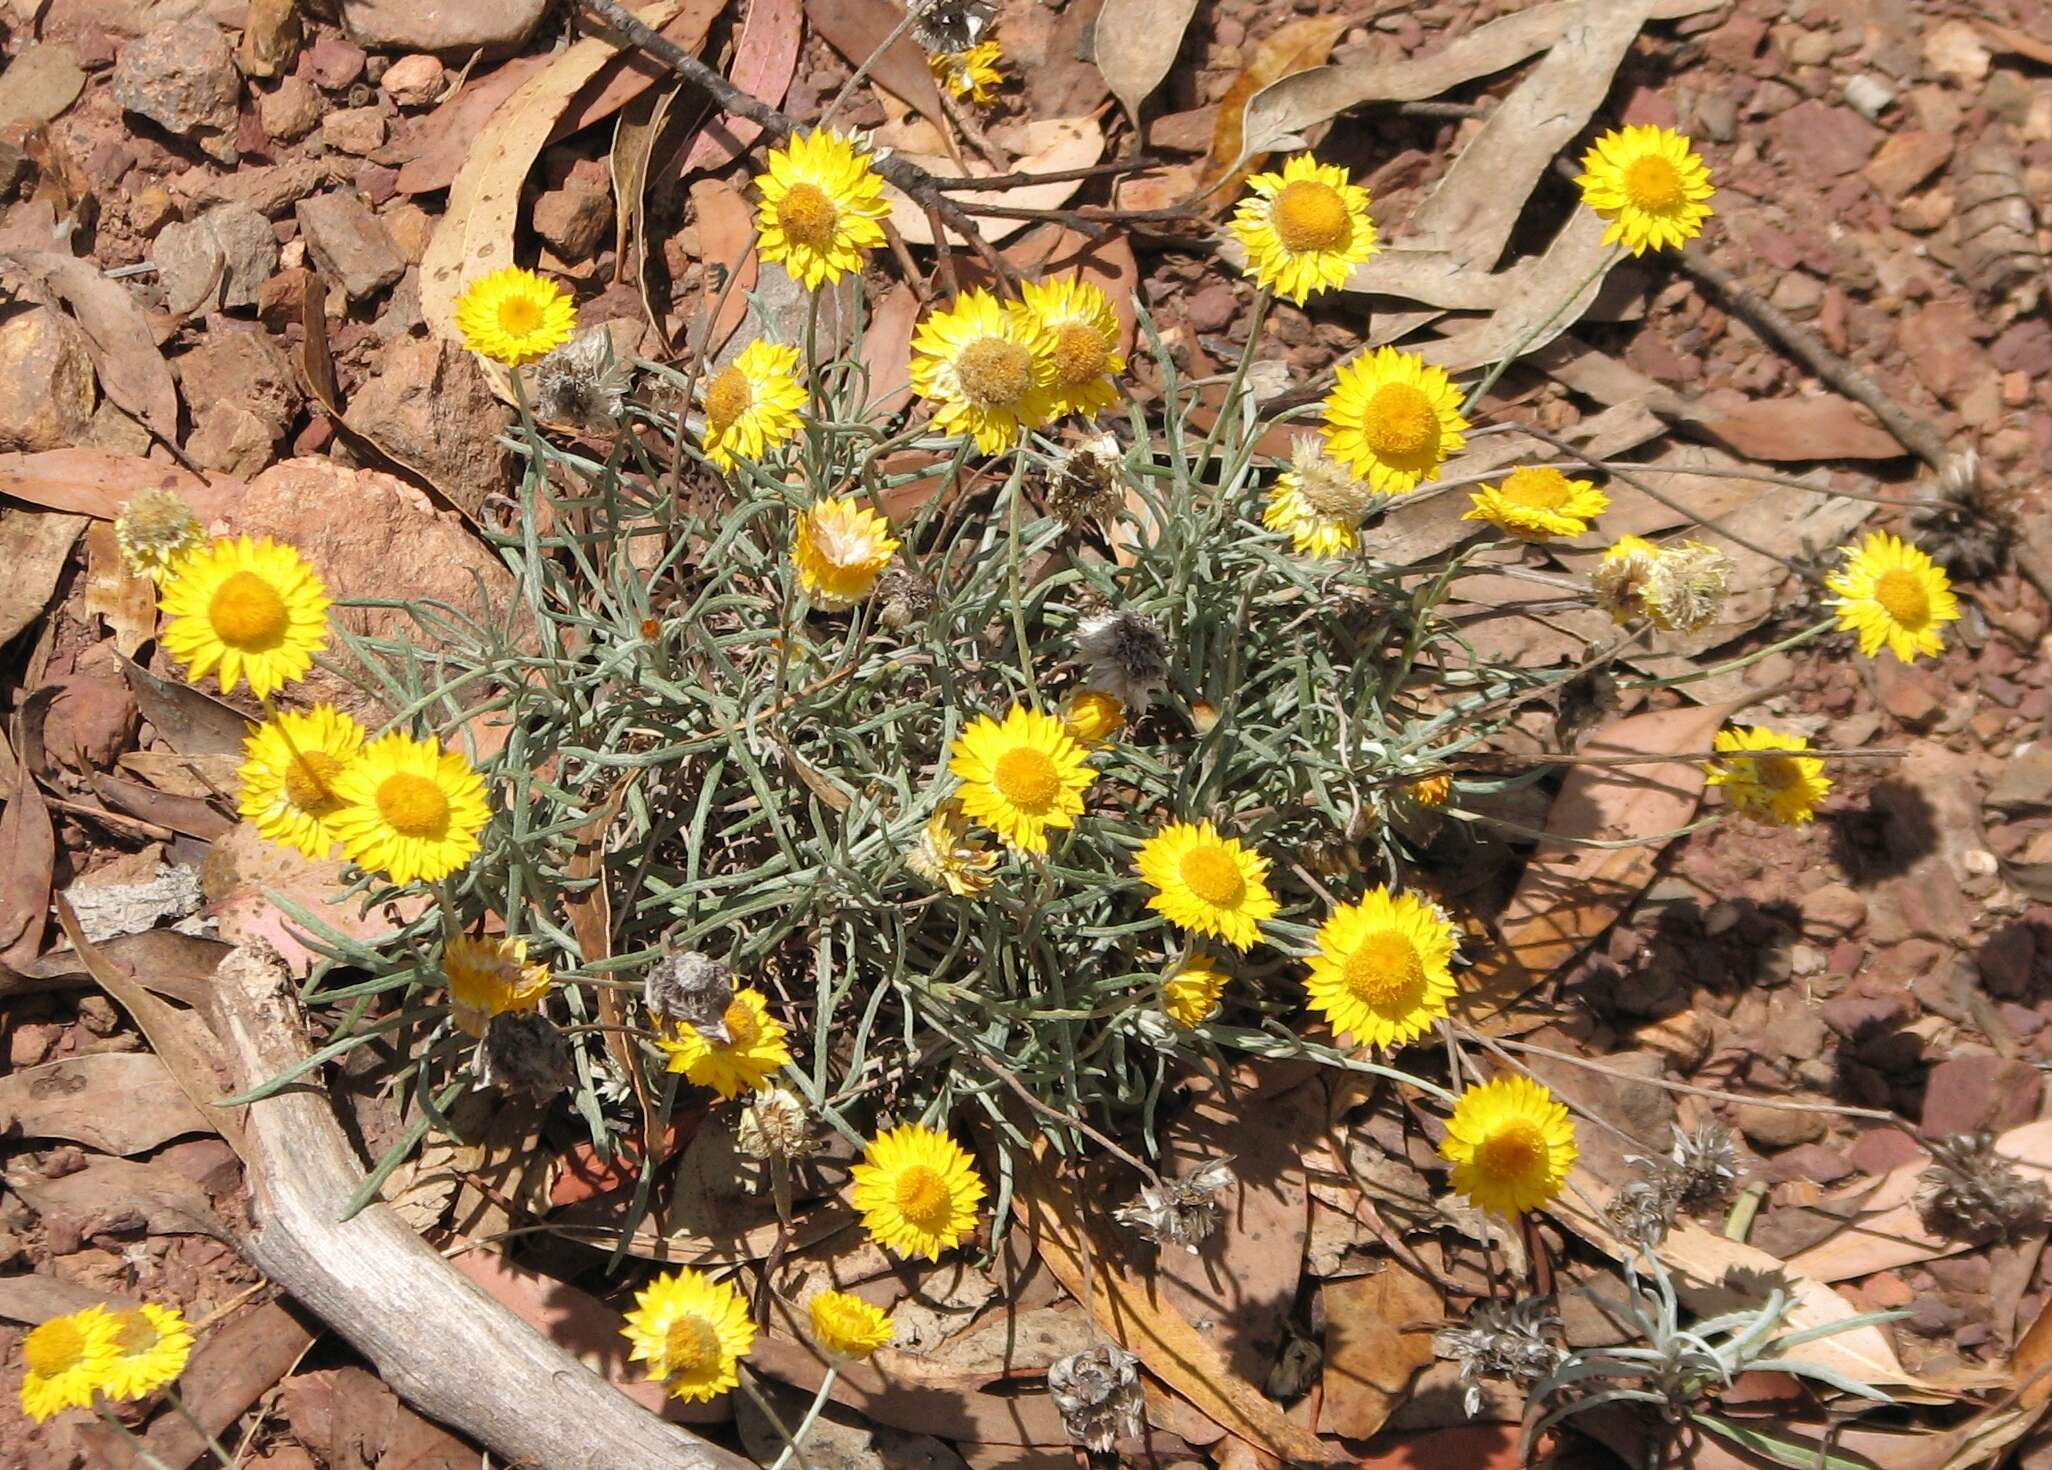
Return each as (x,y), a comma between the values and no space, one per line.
(154,529)
(1699,1168)
(1687,587)
(522,1051)
(1972,1192)
(580,383)
(692,989)
(1180,1211)
(1499,1341)
(1087,484)
(1127,654)
(1966,531)
(1642,1211)
(1707,1161)
(1620,579)
(775,1126)
(1098,1393)
(946,26)
(905,596)
(1328,486)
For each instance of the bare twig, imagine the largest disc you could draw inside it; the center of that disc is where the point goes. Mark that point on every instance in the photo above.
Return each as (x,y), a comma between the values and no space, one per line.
(1053,176)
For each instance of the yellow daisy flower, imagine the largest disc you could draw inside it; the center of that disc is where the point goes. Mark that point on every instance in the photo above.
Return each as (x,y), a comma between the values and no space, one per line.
(821,201)
(752,404)
(1434,790)
(1510,1143)
(151,1345)
(917,1191)
(154,529)
(840,549)
(1892,594)
(490,977)
(1021,777)
(1774,788)
(251,609)
(410,809)
(1381,974)
(754,1051)
(691,1331)
(1534,504)
(971,74)
(288,770)
(847,1328)
(1649,183)
(1304,229)
(514,316)
(1094,716)
(946,856)
(1190,996)
(65,1361)
(1206,883)
(1086,343)
(1393,418)
(989,366)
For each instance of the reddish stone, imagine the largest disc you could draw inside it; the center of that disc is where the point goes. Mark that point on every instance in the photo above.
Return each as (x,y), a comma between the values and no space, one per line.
(1825,141)
(1964,1094)
(1883,1149)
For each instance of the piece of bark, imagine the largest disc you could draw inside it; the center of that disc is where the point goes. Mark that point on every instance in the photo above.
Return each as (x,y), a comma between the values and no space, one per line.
(444,1346)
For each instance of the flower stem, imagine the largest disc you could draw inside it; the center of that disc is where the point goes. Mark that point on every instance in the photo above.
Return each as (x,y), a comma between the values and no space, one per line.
(220,1452)
(819,1402)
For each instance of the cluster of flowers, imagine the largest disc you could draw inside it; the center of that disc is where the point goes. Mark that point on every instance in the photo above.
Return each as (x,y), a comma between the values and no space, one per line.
(122,1353)
(691,1332)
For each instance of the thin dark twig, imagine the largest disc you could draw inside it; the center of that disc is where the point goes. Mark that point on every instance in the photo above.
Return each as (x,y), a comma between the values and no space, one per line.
(1053,176)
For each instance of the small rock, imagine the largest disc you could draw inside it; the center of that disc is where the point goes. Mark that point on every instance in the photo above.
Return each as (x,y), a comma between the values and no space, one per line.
(271,37)
(1717,116)
(1778,1128)
(1211,307)
(355,130)
(232,440)
(1930,1315)
(348,243)
(495,26)
(1912,693)
(430,405)
(575,217)
(1812,1161)
(1955,49)
(1869,96)
(1905,161)
(414,81)
(246,368)
(2005,960)
(2024,347)
(1809,48)
(1880,1150)
(335,63)
(1825,141)
(290,111)
(1684,1039)
(182,77)
(1832,911)
(1855,1016)
(1798,294)
(1887,1291)
(151,209)
(411,227)
(1963,1094)
(269,190)
(230,251)
(47,387)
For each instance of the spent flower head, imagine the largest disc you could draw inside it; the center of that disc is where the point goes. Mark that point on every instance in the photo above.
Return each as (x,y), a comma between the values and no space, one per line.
(1972,1192)
(1182,1211)
(1126,654)
(1098,1394)
(949,27)
(691,989)
(522,1052)
(1502,1340)
(154,529)
(582,384)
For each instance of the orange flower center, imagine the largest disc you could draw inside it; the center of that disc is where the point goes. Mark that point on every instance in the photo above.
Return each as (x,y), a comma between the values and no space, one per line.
(247,612)
(1904,598)
(1027,778)
(922,1197)
(1653,183)
(1384,972)
(1309,215)
(1080,353)
(310,781)
(727,397)
(1433,790)
(691,1347)
(56,1347)
(994,373)
(807,217)
(742,1030)
(413,806)
(1211,874)
(1778,772)
(137,1333)
(1515,1150)
(1401,421)
(1537,489)
(521,315)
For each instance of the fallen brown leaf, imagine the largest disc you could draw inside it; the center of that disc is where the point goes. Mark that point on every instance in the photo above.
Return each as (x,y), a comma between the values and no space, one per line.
(1820,426)
(765,57)
(98,482)
(28,856)
(726,234)
(348,1418)
(126,601)
(1296,45)
(131,369)
(855,28)
(1136,44)
(1378,1334)
(35,547)
(1047,145)
(121,1103)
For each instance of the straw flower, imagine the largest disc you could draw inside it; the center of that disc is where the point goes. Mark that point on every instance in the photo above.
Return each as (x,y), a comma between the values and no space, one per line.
(691,1332)
(1774,788)
(1510,1143)
(1085,328)
(989,368)
(1393,418)
(752,404)
(840,549)
(154,529)
(1206,883)
(65,1361)
(847,1328)
(288,770)
(1890,594)
(151,1346)
(917,1191)
(1021,778)
(1190,996)
(1650,184)
(970,75)
(821,203)
(514,316)
(1304,229)
(947,856)
(753,1051)
(490,977)
(1382,972)
(410,809)
(252,610)
(1536,504)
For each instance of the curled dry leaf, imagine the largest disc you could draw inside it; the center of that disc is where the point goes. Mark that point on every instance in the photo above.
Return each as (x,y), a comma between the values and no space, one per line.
(98,482)
(1050,145)
(1136,44)
(28,857)
(1998,238)
(855,28)
(1297,45)
(35,547)
(726,234)
(1374,1345)
(126,600)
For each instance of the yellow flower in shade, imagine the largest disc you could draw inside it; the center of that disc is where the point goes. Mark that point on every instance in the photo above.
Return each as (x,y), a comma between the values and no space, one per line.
(1304,229)
(1621,578)
(821,200)
(151,1345)
(514,316)
(840,549)
(1393,418)
(1893,595)
(1511,1145)
(847,1328)
(917,1191)
(946,856)
(410,809)
(250,609)
(751,404)
(1381,972)
(1534,504)
(1190,996)
(1649,183)
(289,765)
(1206,883)
(1086,343)
(154,529)
(1021,777)
(1094,716)
(971,74)
(691,1331)
(1434,790)
(754,1051)
(988,366)
(65,1361)
(1774,788)
(490,977)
